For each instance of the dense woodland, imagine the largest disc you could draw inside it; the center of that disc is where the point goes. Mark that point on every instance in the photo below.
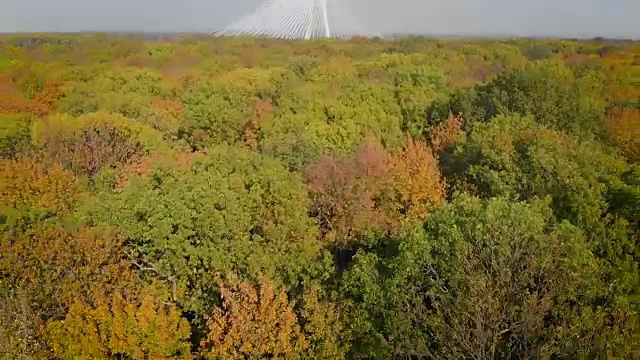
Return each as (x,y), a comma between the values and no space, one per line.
(241,198)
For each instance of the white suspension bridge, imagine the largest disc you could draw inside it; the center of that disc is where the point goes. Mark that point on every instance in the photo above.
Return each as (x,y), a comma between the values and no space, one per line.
(296,19)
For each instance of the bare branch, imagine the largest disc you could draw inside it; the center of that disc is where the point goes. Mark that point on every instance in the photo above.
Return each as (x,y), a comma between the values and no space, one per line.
(149,266)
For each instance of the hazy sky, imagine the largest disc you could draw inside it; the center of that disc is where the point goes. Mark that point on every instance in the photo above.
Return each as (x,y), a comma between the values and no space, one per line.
(458,17)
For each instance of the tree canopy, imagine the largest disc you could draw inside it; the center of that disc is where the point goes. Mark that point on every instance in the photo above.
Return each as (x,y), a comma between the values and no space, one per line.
(192,197)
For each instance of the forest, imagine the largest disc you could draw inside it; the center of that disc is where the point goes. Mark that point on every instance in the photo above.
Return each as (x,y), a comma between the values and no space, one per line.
(247,198)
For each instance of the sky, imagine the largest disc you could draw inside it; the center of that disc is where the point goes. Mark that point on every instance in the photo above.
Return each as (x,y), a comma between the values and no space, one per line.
(557,18)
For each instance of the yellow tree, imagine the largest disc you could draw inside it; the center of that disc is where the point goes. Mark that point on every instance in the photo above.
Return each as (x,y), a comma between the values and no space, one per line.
(417,180)
(324,326)
(57,267)
(253,322)
(29,182)
(95,307)
(120,324)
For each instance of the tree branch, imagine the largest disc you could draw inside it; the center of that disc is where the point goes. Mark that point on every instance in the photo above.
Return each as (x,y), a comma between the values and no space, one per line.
(149,266)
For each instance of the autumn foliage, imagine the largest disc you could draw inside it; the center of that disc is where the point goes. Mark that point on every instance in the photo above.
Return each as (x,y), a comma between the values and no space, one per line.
(196,197)
(351,196)
(262,110)
(417,181)
(253,322)
(88,148)
(28,182)
(16,103)
(259,321)
(39,101)
(623,127)
(59,267)
(374,191)
(118,324)
(324,326)
(446,133)
(96,306)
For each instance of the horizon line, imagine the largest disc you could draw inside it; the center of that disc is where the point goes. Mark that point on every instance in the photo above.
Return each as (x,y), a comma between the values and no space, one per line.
(387,35)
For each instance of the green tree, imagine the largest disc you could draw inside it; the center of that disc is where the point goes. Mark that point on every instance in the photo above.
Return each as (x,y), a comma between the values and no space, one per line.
(15,136)
(515,157)
(480,279)
(230,211)
(519,159)
(549,91)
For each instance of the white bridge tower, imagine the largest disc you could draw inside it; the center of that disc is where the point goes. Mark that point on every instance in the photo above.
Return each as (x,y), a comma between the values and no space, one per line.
(320,10)
(291,19)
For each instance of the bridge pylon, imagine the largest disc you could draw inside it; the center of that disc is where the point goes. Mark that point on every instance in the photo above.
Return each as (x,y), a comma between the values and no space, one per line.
(289,19)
